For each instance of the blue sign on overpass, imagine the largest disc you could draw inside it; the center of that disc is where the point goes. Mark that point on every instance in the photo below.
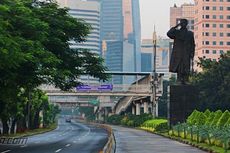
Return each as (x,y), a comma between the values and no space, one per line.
(107,87)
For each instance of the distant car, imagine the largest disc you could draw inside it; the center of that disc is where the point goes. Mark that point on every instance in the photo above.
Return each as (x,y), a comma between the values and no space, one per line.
(68,120)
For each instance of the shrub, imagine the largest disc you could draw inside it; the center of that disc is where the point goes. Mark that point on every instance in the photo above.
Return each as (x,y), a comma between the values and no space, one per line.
(207,113)
(130,123)
(210,118)
(200,119)
(192,118)
(227,123)
(216,118)
(114,119)
(156,124)
(223,119)
(125,120)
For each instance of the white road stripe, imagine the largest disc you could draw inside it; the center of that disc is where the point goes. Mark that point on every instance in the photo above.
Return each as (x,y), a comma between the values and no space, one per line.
(23,146)
(6,151)
(58,150)
(67,145)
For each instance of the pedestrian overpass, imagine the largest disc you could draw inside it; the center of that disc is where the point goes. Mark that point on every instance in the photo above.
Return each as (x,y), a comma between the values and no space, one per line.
(125,93)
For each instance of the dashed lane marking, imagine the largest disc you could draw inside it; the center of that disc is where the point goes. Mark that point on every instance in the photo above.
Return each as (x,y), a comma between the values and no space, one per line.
(58,150)
(6,151)
(23,146)
(67,145)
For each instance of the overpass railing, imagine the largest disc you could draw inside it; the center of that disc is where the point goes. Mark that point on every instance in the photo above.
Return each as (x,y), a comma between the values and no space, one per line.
(138,88)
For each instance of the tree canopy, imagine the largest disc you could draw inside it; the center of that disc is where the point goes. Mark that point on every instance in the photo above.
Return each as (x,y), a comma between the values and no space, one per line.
(34,50)
(214,83)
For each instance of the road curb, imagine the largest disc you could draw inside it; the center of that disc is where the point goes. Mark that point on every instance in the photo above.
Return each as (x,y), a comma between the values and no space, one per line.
(110,146)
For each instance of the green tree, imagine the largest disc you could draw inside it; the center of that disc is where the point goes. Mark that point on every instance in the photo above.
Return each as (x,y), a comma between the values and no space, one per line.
(34,50)
(214,83)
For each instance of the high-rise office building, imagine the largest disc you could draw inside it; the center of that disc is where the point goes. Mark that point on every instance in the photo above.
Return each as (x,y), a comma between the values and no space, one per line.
(212,28)
(89,12)
(112,36)
(147,55)
(162,56)
(184,11)
(120,33)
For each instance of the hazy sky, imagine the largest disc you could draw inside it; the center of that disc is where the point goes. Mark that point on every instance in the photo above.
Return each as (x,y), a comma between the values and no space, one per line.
(156,12)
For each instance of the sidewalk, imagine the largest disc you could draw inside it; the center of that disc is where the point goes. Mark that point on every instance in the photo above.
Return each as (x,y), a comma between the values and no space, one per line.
(136,141)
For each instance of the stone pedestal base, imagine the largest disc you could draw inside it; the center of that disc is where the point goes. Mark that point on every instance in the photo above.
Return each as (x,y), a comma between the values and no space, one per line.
(183,100)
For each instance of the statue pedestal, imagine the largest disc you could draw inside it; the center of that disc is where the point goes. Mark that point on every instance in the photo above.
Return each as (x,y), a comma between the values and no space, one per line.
(183,100)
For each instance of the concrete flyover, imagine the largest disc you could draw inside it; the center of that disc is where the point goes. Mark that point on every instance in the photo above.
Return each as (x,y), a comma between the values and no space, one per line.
(128,100)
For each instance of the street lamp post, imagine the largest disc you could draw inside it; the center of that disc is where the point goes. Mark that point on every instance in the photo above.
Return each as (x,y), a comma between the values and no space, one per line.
(154,79)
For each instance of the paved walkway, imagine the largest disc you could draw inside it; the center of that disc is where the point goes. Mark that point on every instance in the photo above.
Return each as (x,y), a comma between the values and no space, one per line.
(137,141)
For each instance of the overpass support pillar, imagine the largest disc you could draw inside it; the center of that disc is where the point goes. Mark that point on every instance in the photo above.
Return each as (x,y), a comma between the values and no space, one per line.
(146,110)
(138,109)
(133,110)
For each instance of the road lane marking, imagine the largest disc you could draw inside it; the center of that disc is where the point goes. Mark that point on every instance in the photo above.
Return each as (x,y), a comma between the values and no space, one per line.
(87,133)
(58,150)
(6,151)
(67,145)
(23,146)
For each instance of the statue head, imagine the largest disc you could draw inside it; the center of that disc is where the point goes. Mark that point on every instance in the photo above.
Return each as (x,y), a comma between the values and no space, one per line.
(183,23)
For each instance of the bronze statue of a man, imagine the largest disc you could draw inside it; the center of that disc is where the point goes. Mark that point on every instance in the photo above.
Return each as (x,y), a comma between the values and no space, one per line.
(183,50)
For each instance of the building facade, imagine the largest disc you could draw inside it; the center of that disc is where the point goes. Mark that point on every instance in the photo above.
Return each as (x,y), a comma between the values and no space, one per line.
(112,36)
(88,11)
(212,28)
(120,36)
(162,56)
(185,11)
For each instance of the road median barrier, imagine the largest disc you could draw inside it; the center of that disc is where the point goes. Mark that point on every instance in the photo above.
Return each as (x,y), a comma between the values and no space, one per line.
(110,146)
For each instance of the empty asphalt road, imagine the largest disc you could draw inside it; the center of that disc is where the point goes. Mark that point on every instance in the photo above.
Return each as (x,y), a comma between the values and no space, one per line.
(67,138)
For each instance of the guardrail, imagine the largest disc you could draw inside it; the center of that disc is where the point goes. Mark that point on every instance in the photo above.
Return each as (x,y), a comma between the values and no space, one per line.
(110,146)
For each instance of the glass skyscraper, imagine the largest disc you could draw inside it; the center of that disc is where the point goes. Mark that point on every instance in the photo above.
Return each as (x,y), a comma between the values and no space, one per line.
(120,34)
